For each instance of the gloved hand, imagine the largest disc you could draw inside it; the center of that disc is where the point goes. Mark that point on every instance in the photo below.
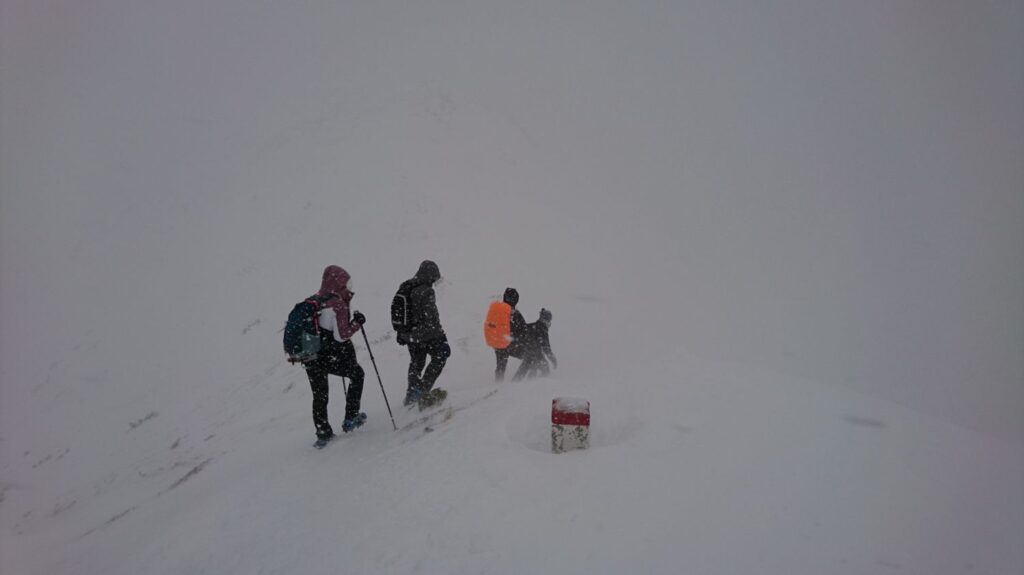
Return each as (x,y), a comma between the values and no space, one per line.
(358,318)
(400,338)
(554,362)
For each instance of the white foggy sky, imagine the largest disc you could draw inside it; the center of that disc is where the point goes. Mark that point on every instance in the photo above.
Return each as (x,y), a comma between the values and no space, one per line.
(831,189)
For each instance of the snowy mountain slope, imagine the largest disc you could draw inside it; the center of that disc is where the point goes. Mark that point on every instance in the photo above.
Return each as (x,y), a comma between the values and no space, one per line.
(711,468)
(811,193)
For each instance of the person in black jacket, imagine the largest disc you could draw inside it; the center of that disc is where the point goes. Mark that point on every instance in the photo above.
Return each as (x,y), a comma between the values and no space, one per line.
(535,347)
(424,336)
(517,328)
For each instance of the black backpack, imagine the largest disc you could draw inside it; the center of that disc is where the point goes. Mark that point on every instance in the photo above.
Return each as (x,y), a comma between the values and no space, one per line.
(403,317)
(302,330)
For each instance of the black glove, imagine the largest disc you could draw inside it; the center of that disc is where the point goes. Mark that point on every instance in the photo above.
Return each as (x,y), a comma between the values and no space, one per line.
(359,318)
(400,338)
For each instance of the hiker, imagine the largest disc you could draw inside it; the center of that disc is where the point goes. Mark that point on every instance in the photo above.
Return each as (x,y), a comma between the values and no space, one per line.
(535,347)
(337,355)
(502,327)
(417,324)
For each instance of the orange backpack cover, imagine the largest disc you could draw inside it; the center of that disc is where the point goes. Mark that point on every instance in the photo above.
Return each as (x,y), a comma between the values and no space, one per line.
(498,325)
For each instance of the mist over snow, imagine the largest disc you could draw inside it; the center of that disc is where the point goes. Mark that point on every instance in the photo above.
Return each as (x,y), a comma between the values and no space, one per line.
(783,243)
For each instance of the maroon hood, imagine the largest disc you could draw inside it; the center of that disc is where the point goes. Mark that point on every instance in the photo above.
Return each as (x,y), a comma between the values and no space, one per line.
(335,283)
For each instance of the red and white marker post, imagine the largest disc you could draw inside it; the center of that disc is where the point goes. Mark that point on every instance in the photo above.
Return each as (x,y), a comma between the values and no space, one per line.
(570,424)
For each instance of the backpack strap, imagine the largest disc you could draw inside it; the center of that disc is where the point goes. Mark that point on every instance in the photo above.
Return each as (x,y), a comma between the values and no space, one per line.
(318,302)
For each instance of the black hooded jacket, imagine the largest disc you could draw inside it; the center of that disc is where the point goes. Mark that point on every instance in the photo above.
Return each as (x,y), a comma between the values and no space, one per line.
(536,340)
(426,321)
(518,324)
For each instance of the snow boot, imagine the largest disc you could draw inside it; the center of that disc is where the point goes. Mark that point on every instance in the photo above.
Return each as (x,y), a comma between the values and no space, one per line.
(322,442)
(431,398)
(353,422)
(411,397)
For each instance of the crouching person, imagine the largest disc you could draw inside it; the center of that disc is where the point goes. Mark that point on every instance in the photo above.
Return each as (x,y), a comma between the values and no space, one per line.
(535,347)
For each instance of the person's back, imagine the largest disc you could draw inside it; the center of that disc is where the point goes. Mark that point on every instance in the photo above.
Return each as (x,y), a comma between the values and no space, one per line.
(535,337)
(425,320)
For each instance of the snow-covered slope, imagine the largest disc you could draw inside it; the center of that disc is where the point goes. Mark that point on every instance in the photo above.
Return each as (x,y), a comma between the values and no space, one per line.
(694,467)
(781,242)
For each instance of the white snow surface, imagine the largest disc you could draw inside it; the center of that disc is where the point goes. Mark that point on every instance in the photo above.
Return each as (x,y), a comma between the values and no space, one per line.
(572,405)
(781,240)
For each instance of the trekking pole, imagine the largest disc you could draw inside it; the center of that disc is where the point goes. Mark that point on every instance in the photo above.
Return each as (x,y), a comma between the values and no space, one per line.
(374,362)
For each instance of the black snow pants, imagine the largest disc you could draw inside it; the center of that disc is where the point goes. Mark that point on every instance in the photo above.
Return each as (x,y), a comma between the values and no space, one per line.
(534,363)
(337,359)
(501,358)
(439,351)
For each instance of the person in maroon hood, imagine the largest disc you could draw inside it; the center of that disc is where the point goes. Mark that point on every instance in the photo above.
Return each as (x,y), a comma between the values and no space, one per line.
(337,355)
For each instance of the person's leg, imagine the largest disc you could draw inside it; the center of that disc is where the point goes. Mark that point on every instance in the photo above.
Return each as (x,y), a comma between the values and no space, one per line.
(417,359)
(524,367)
(439,354)
(501,356)
(543,368)
(348,366)
(318,383)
